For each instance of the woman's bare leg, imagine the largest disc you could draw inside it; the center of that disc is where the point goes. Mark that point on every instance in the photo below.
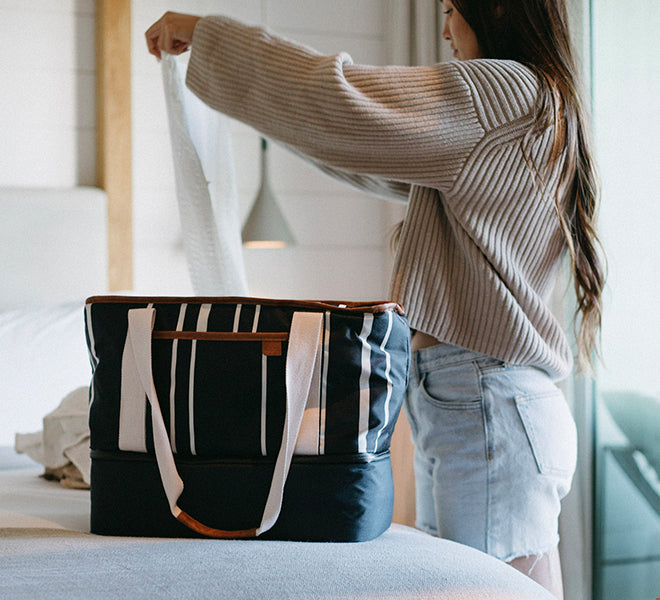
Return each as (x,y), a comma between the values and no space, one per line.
(545,569)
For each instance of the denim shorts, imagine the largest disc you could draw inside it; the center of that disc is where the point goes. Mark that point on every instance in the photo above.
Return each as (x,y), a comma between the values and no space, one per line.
(495,451)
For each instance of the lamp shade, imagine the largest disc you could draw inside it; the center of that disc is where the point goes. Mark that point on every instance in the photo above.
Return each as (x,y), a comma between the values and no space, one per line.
(266,226)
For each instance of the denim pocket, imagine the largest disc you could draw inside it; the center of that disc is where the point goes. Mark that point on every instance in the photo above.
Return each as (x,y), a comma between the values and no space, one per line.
(551,432)
(454,387)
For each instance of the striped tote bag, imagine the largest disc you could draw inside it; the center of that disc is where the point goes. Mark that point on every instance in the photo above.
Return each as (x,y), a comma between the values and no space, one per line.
(243,417)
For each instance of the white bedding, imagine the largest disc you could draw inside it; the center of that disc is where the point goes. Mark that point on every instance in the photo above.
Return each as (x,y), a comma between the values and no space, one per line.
(43,359)
(54,255)
(46,550)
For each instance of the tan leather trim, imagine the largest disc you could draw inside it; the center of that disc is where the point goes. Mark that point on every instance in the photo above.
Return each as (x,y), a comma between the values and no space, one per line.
(271,343)
(195,525)
(332,305)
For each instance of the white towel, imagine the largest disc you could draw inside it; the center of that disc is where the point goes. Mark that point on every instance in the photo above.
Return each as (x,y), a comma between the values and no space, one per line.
(206,188)
(64,440)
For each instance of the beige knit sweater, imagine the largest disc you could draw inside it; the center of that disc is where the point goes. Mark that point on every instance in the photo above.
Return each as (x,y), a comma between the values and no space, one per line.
(480,249)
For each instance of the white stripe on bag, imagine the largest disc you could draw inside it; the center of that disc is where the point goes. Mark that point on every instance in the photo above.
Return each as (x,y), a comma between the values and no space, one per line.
(388,365)
(175,349)
(324,384)
(264,383)
(365,390)
(264,395)
(237,317)
(202,325)
(92,347)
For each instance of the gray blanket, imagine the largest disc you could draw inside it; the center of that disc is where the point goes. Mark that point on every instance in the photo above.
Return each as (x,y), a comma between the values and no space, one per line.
(47,552)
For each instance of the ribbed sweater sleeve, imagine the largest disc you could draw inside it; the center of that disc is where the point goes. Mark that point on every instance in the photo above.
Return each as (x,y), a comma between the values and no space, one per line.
(480,249)
(415,125)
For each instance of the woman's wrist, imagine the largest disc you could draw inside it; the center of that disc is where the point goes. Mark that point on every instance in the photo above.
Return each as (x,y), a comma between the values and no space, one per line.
(172,33)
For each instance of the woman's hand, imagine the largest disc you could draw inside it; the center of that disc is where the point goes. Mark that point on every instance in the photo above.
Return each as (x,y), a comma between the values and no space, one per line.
(172,33)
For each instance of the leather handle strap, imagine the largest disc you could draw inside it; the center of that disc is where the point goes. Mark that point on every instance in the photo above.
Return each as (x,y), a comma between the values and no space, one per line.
(304,337)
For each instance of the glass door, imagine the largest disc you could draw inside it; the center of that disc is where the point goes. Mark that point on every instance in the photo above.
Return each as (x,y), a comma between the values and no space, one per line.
(626,106)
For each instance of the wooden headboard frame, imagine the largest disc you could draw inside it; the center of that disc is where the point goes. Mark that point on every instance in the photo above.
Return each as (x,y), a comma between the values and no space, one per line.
(113,133)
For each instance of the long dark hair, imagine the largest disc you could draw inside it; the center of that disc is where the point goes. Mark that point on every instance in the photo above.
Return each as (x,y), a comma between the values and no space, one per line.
(536,33)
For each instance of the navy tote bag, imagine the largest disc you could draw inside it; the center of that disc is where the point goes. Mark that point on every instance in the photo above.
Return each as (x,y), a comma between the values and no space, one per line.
(244,417)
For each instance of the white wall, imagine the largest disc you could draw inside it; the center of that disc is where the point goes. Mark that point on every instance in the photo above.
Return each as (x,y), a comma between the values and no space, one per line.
(47,112)
(47,108)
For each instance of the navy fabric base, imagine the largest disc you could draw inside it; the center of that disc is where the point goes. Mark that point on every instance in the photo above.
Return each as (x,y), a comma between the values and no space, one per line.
(346,498)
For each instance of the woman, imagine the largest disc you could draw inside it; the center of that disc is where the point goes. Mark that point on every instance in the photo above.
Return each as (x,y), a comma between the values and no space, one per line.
(491,153)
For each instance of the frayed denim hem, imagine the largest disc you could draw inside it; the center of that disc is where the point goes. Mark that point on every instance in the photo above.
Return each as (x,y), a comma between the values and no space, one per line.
(538,554)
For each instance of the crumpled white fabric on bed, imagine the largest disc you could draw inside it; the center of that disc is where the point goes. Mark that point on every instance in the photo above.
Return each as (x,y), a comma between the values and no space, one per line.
(64,439)
(206,189)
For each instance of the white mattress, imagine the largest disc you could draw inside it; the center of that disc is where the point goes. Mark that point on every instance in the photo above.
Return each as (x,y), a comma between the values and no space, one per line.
(46,550)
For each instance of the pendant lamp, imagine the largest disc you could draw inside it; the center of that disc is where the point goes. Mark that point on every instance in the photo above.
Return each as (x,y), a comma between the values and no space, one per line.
(266,226)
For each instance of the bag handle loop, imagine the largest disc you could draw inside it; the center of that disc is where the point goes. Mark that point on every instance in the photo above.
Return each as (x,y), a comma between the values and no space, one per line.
(304,338)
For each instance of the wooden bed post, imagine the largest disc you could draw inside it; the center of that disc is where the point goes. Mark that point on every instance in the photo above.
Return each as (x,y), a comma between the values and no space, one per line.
(113,133)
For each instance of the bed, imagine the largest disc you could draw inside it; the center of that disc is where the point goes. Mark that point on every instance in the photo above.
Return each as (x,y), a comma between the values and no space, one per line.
(46,547)
(45,551)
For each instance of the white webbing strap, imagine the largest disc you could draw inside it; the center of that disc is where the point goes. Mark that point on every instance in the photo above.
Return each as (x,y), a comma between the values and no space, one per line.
(301,356)
(140,325)
(304,337)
